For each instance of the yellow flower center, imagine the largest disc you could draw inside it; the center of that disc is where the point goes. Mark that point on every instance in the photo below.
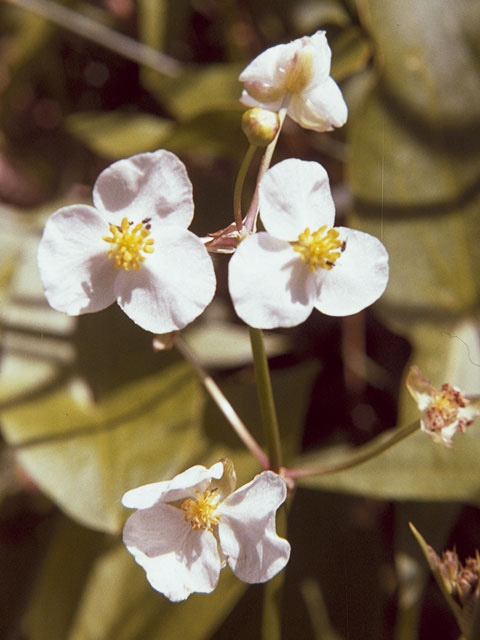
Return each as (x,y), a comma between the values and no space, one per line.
(128,242)
(300,71)
(444,407)
(320,248)
(201,511)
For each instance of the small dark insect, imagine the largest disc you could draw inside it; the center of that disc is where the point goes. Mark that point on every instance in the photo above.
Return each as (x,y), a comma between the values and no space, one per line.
(344,246)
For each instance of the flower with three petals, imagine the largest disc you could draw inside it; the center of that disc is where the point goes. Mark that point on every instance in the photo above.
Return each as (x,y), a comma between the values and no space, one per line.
(185,530)
(132,247)
(301,262)
(297,73)
(444,411)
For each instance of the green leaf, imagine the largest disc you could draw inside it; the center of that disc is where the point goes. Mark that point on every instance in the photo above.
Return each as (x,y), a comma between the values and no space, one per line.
(415,160)
(85,455)
(414,469)
(216,132)
(399,159)
(351,52)
(308,15)
(429,66)
(117,134)
(59,586)
(226,345)
(35,338)
(434,262)
(212,87)
(119,604)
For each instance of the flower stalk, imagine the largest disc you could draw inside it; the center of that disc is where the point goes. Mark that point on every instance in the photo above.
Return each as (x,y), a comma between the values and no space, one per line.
(222,403)
(250,221)
(265,397)
(369,451)
(237,193)
(271,614)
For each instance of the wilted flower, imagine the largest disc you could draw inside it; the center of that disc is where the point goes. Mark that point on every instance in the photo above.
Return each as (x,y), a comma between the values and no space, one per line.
(445,410)
(187,529)
(301,261)
(459,583)
(300,71)
(132,247)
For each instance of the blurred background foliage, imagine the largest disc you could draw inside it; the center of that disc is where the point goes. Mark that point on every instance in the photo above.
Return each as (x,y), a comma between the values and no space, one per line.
(89,410)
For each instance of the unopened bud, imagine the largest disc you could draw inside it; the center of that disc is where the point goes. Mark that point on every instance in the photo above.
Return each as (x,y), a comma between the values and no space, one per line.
(260,126)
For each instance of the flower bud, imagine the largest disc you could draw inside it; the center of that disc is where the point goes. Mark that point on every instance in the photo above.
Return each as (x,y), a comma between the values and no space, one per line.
(260,126)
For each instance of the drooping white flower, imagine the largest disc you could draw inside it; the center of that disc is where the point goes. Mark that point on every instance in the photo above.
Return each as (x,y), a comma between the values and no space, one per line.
(299,70)
(444,411)
(132,247)
(301,262)
(186,529)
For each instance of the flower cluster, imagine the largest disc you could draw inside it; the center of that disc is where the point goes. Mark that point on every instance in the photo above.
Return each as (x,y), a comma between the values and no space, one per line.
(188,528)
(444,411)
(133,247)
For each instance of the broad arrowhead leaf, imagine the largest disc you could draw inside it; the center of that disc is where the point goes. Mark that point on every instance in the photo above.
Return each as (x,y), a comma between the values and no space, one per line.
(414,469)
(119,604)
(85,455)
(118,134)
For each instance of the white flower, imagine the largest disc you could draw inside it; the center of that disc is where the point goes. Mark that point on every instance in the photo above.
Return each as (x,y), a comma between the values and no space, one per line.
(301,70)
(186,529)
(444,411)
(132,247)
(301,262)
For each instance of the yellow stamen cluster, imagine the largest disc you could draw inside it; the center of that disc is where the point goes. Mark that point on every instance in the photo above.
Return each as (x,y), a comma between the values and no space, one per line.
(200,511)
(320,248)
(128,242)
(444,407)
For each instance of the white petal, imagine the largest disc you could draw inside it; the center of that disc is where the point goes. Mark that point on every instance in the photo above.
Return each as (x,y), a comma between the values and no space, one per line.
(148,185)
(319,107)
(264,77)
(471,411)
(183,485)
(174,284)
(269,284)
(247,529)
(248,101)
(421,389)
(76,273)
(177,559)
(322,56)
(295,194)
(358,278)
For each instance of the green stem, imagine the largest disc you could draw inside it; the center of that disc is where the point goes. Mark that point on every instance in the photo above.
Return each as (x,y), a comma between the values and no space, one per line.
(272,594)
(265,397)
(367,452)
(237,193)
(251,217)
